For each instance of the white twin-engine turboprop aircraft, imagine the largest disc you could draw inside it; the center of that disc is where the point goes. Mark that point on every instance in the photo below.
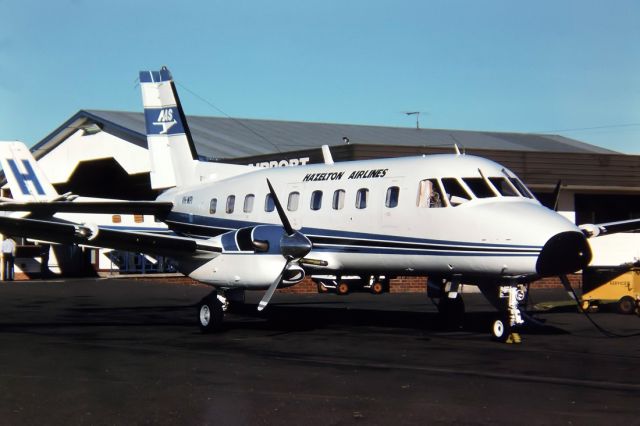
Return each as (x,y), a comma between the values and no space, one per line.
(454,218)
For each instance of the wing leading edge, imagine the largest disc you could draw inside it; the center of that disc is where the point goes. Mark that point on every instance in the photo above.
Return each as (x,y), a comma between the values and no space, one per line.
(159,209)
(93,236)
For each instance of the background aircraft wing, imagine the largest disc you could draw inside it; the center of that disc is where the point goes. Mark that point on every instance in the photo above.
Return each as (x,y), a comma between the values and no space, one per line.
(594,230)
(94,236)
(157,208)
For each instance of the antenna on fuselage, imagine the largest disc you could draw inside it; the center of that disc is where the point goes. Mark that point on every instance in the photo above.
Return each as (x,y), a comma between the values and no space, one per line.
(455,146)
(326,154)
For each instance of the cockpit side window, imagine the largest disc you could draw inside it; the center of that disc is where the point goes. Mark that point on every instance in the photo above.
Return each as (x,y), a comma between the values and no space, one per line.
(430,194)
(518,184)
(454,191)
(504,188)
(479,187)
(523,189)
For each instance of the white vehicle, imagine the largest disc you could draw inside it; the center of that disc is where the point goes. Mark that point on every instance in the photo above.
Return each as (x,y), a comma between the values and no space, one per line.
(454,218)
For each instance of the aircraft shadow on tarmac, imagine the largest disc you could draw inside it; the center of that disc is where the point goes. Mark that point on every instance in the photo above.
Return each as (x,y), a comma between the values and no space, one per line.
(277,317)
(300,318)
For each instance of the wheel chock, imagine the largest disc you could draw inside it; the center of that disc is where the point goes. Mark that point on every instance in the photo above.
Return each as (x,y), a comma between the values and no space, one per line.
(514,338)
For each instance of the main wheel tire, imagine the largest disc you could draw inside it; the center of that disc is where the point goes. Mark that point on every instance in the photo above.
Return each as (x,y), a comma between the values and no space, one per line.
(342,289)
(377,288)
(210,315)
(626,305)
(501,329)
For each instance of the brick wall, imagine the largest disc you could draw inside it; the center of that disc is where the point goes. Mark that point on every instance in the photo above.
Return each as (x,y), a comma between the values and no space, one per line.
(418,284)
(398,285)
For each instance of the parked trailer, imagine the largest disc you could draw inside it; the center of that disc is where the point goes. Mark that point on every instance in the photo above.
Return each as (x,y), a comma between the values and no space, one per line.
(612,284)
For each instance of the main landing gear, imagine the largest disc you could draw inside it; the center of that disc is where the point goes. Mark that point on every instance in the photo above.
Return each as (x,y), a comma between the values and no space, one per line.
(211,309)
(503,328)
(210,313)
(446,296)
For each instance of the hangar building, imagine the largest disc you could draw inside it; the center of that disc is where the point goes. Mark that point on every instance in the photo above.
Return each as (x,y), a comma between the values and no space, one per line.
(103,154)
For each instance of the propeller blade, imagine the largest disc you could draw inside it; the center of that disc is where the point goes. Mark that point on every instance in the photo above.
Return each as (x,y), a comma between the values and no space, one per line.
(283,217)
(272,289)
(556,195)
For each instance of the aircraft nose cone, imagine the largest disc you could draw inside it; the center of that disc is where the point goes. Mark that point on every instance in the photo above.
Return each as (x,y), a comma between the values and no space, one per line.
(564,253)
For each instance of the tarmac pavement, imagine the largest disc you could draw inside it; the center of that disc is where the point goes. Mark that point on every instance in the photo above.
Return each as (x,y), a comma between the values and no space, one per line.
(107,351)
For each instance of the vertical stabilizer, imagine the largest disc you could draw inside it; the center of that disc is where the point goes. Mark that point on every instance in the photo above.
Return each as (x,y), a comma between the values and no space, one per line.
(171,147)
(25,178)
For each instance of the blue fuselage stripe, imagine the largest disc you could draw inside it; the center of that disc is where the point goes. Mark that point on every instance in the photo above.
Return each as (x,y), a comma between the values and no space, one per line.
(331,240)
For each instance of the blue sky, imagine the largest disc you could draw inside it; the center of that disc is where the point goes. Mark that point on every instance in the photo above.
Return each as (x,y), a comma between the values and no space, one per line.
(565,67)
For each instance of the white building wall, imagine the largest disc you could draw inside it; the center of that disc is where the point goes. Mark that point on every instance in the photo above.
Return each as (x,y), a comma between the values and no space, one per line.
(79,147)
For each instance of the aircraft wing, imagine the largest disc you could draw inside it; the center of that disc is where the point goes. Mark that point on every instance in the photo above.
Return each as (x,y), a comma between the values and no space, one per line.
(598,229)
(69,233)
(157,208)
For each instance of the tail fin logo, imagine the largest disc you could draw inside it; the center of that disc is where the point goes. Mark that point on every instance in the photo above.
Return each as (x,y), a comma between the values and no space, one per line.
(24,178)
(165,120)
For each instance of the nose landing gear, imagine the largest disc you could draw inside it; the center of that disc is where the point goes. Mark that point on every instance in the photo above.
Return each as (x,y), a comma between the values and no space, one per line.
(503,327)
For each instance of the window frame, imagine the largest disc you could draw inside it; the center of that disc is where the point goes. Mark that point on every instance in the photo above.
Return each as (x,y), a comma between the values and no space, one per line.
(248,197)
(362,194)
(230,206)
(316,196)
(337,200)
(293,201)
(389,197)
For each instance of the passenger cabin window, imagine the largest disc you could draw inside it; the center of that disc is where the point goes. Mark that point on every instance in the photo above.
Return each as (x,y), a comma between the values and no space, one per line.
(430,194)
(231,202)
(504,187)
(269,204)
(316,200)
(479,187)
(391,200)
(292,203)
(248,203)
(338,199)
(361,198)
(455,193)
(213,205)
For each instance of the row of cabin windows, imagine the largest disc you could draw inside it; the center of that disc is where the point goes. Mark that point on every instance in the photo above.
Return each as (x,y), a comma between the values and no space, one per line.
(432,193)
(293,201)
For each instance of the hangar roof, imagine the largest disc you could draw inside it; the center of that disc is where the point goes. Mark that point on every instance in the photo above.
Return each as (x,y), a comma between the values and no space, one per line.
(221,137)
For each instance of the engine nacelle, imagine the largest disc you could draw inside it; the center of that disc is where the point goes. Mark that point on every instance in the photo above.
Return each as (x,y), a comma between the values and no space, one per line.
(244,270)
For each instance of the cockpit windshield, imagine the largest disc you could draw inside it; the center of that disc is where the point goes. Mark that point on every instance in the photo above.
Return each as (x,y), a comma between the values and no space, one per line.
(451,191)
(504,187)
(479,187)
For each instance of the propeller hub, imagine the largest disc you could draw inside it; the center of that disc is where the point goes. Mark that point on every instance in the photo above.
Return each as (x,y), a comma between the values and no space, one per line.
(295,246)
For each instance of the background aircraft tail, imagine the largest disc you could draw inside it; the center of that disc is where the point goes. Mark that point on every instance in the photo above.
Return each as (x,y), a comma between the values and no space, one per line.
(25,178)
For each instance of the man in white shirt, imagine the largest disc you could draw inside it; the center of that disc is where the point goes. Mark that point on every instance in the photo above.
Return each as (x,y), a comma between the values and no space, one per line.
(8,258)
